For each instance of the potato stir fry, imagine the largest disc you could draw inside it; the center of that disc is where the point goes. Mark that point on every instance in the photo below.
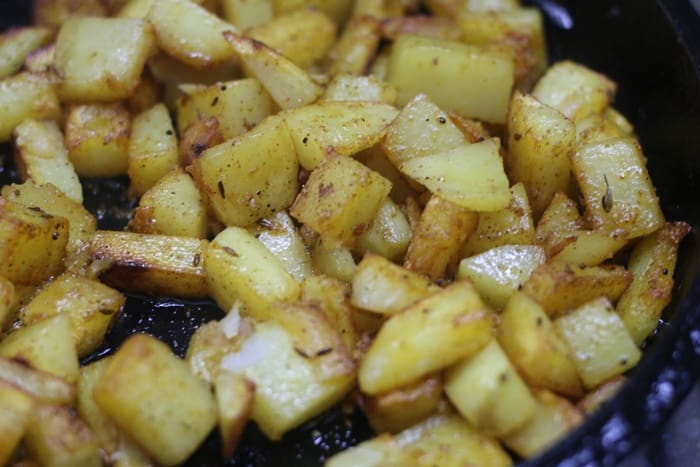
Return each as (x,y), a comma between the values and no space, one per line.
(395,203)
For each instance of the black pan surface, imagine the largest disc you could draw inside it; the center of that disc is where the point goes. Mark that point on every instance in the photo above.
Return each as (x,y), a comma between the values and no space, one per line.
(652,49)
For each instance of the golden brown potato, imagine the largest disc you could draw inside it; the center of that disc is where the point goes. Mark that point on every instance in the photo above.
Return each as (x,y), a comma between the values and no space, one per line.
(40,385)
(16,408)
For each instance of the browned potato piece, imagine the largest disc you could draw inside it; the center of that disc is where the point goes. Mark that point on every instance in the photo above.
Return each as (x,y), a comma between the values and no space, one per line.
(153,397)
(332,297)
(23,96)
(198,137)
(7,302)
(32,243)
(559,219)
(401,408)
(560,287)
(16,408)
(438,238)
(152,264)
(40,385)
(234,398)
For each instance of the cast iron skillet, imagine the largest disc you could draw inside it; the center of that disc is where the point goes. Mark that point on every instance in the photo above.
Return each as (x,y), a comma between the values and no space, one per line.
(652,49)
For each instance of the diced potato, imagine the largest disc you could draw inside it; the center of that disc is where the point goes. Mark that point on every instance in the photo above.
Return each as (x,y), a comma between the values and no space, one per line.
(511,225)
(383,287)
(91,306)
(595,129)
(40,385)
(234,398)
(587,247)
(57,437)
(401,408)
(81,223)
(559,219)
(429,335)
(212,341)
(340,199)
(16,408)
(375,159)
(153,397)
(359,88)
(438,237)
(146,95)
(526,335)
(289,388)
(336,262)
(173,206)
(303,36)
(499,272)
(465,79)
(652,263)
(198,137)
(252,176)
(41,60)
(600,345)
(539,141)
(471,176)
(152,264)
(336,128)
(289,85)
(32,243)
(332,297)
(560,287)
(54,13)
(245,14)
(48,345)
(239,267)
(389,233)
(382,451)
(24,96)
(152,148)
(91,68)
(574,90)
(357,46)
(616,188)
(489,393)
(238,106)
(97,138)
(553,419)
(16,44)
(190,33)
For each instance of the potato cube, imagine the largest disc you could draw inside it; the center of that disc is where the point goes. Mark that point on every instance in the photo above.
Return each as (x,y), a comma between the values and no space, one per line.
(239,267)
(234,398)
(97,137)
(152,150)
(32,243)
(334,262)
(153,397)
(499,272)
(40,385)
(465,79)
(356,47)
(489,393)
(427,336)
(382,451)
(91,68)
(15,411)
(600,345)
(24,96)
(587,247)
(359,88)
(389,233)
(252,176)
(616,188)
(559,219)
(91,306)
(16,44)
(42,157)
(526,335)
(340,199)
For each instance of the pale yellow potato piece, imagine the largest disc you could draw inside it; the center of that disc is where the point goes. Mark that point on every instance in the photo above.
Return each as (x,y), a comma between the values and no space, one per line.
(23,96)
(381,286)
(135,9)
(574,90)
(336,262)
(252,176)
(588,247)
(42,157)
(337,10)
(356,47)
(152,150)
(465,79)
(652,263)
(245,14)
(389,233)
(153,397)
(173,206)
(560,219)
(190,33)
(97,138)
(340,199)
(487,390)
(289,389)
(234,400)
(376,159)
(616,188)
(539,141)
(91,306)
(16,408)
(289,85)
(238,106)
(54,13)
(599,344)
(40,385)
(32,243)
(429,335)
(526,335)
(239,267)
(16,44)
(336,128)
(499,272)
(91,68)
(382,451)
(359,88)
(471,175)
